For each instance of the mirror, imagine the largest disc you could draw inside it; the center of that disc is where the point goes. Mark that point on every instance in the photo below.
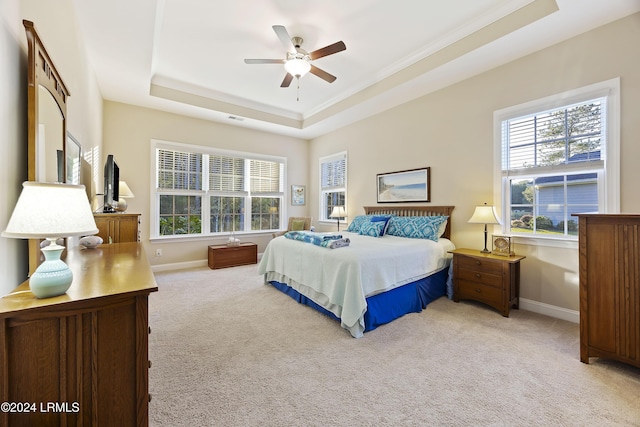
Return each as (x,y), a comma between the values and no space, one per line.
(48,142)
(47,121)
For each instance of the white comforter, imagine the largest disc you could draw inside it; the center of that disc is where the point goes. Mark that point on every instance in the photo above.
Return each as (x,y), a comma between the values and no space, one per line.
(340,279)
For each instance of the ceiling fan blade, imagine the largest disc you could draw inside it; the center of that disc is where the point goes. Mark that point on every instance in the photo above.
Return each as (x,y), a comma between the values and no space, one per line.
(287,80)
(322,74)
(264,61)
(284,37)
(328,50)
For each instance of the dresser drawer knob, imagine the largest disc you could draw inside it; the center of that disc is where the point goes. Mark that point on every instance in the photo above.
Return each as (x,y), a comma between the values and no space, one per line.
(478,290)
(149,329)
(150,363)
(478,275)
(478,262)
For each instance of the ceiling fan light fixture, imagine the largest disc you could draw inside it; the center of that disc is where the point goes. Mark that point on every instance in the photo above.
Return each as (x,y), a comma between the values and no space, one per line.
(297,67)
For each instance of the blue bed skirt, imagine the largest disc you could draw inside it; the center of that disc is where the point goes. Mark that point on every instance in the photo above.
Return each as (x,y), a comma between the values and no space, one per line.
(385,307)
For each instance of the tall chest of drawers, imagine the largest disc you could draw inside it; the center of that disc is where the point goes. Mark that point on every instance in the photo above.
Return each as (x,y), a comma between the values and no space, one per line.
(609,253)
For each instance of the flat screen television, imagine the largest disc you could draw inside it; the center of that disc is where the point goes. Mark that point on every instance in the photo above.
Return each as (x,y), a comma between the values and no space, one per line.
(111,185)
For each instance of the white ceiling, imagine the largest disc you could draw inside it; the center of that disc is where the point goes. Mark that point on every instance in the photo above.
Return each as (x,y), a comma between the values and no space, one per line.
(187,56)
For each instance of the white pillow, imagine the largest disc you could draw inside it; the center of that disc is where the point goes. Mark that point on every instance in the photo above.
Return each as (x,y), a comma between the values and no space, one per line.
(91,241)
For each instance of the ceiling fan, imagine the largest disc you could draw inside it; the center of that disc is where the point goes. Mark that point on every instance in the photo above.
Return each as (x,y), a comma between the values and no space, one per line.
(298,61)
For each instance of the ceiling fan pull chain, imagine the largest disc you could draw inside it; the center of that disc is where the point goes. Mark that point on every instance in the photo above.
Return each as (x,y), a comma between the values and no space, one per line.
(298,90)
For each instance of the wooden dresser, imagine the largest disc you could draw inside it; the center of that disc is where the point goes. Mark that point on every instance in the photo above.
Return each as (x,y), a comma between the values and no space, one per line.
(117,227)
(80,359)
(491,279)
(609,251)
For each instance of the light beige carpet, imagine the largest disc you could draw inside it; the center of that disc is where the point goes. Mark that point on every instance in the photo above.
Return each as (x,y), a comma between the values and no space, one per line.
(230,351)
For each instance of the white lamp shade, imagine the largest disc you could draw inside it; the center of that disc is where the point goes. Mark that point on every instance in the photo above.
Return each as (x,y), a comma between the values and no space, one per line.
(338,212)
(51,210)
(484,215)
(297,67)
(124,190)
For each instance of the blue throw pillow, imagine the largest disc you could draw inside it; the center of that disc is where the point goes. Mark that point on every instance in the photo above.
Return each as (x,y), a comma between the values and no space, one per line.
(384,219)
(416,227)
(373,229)
(358,221)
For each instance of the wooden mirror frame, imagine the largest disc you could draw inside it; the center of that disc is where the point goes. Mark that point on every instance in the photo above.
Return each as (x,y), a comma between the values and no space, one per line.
(41,72)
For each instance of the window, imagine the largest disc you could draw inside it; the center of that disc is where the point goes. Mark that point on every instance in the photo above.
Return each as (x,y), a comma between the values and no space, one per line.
(333,184)
(201,191)
(558,156)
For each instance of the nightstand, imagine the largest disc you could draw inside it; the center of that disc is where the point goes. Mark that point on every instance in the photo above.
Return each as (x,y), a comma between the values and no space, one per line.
(491,279)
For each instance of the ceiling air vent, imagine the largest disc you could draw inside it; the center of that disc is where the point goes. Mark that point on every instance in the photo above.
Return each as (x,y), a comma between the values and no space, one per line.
(236,118)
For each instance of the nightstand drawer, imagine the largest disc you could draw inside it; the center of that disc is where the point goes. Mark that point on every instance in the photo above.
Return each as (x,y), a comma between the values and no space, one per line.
(477,291)
(479,264)
(477,276)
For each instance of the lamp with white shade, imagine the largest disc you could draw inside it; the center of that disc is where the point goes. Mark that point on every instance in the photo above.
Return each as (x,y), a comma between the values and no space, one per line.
(51,211)
(124,192)
(338,212)
(484,215)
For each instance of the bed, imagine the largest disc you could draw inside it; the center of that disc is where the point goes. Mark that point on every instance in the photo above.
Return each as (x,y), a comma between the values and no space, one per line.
(373,280)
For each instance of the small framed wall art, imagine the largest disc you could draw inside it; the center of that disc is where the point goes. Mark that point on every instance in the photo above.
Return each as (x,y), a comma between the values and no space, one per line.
(298,195)
(404,186)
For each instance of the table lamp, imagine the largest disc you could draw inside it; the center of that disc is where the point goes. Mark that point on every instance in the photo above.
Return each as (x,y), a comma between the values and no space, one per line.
(484,215)
(51,211)
(338,212)
(124,192)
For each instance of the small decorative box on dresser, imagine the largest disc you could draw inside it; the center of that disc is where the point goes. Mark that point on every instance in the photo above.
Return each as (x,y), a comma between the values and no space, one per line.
(490,279)
(221,256)
(609,254)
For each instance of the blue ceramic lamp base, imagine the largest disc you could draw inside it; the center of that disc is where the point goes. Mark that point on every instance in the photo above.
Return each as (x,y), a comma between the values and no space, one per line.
(53,277)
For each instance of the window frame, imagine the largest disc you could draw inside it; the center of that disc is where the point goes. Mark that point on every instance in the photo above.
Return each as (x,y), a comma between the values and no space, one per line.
(608,179)
(322,217)
(205,193)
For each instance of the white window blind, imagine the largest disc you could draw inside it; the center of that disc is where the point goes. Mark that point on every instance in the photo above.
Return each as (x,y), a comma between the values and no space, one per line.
(226,174)
(570,135)
(265,176)
(179,170)
(333,172)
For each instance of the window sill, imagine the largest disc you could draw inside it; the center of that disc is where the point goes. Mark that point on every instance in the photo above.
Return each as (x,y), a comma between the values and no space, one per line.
(553,242)
(209,237)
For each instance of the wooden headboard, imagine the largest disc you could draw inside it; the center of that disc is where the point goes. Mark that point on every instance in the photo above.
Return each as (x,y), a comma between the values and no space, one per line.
(414,211)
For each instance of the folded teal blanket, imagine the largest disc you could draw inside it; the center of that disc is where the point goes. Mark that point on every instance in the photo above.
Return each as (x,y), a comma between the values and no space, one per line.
(331,241)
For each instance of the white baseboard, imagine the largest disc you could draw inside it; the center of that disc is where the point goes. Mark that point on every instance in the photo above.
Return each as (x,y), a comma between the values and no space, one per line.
(550,310)
(179,265)
(185,265)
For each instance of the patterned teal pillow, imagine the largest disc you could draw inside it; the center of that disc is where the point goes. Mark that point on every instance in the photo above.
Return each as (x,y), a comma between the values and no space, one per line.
(373,228)
(416,227)
(356,223)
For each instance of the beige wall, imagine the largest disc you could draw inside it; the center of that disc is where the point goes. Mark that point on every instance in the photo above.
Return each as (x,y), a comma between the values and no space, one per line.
(128,132)
(56,26)
(452,132)
(449,130)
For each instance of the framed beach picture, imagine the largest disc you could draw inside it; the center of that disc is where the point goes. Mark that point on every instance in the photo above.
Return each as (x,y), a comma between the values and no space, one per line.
(297,195)
(404,186)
